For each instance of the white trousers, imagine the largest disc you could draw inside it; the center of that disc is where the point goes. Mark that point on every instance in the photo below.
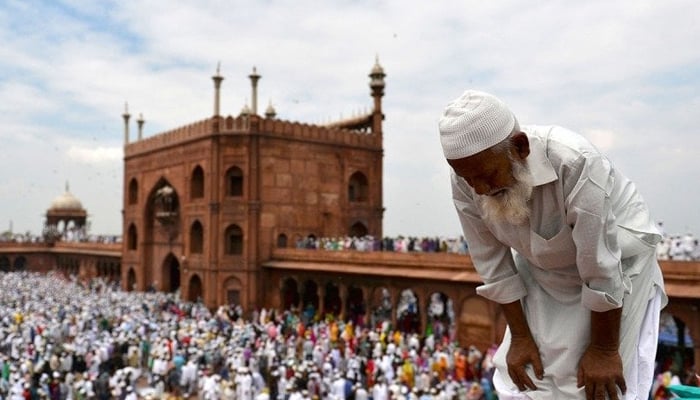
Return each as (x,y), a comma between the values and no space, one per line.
(642,376)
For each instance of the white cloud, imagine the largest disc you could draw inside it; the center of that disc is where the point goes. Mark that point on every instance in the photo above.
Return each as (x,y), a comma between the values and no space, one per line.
(98,154)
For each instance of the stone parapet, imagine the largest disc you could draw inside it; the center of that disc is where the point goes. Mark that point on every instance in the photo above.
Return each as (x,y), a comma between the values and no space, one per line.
(243,125)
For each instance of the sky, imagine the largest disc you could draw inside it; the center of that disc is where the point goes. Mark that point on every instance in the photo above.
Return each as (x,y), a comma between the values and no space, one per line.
(625,74)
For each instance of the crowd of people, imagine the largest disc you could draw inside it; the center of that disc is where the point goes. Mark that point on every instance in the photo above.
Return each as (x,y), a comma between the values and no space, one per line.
(61,339)
(675,247)
(70,235)
(400,244)
(678,248)
(672,247)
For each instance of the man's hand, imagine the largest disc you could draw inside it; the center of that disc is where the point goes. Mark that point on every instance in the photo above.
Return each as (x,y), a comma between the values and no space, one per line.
(523,351)
(600,371)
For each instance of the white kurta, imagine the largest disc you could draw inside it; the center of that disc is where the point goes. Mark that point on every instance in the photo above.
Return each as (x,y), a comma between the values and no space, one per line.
(589,246)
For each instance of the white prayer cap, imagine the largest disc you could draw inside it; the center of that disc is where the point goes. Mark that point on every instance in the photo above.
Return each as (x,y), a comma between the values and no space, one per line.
(474,122)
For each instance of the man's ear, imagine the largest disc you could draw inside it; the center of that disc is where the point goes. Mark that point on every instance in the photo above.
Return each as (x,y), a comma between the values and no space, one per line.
(521,145)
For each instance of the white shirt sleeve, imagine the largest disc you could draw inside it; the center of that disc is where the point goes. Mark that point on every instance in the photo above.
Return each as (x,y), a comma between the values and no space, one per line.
(595,232)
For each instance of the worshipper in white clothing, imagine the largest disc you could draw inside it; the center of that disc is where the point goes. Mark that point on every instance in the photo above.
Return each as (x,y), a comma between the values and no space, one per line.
(677,250)
(211,389)
(565,244)
(695,254)
(294,394)
(244,384)
(188,377)
(688,244)
(227,393)
(130,393)
(338,387)
(380,390)
(360,392)
(663,249)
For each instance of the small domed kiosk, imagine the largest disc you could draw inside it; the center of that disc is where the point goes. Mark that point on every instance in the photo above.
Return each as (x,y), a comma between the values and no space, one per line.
(65,212)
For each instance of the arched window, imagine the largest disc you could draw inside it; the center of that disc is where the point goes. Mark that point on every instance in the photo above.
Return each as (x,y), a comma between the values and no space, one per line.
(196,291)
(5,264)
(358,229)
(197,183)
(358,189)
(196,238)
(282,241)
(234,182)
(234,240)
(20,263)
(133,191)
(133,238)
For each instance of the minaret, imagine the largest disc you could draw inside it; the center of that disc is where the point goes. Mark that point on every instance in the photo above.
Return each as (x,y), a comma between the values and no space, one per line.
(140,122)
(217,89)
(270,113)
(254,78)
(376,85)
(126,116)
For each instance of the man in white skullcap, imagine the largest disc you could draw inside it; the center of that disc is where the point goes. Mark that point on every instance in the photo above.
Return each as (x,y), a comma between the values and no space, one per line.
(565,244)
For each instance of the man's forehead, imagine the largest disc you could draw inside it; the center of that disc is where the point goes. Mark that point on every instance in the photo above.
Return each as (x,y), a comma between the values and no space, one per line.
(477,164)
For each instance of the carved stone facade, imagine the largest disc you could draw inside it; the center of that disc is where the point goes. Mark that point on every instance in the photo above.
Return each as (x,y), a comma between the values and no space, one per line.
(205,204)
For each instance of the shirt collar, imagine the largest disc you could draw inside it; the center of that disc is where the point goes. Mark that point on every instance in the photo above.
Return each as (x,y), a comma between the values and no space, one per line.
(540,167)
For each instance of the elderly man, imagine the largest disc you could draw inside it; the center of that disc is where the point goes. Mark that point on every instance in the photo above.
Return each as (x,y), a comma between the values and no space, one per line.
(564,243)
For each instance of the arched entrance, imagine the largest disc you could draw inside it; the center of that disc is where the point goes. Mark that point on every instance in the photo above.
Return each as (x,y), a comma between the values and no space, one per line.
(441,316)
(4,264)
(407,312)
(356,307)
(161,234)
(171,274)
(332,303)
(309,301)
(232,290)
(195,291)
(675,351)
(130,280)
(381,307)
(290,295)
(20,263)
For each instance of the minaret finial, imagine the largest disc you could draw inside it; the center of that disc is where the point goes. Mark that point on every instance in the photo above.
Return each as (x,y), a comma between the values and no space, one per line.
(254,78)
(376,85)
(217,88)
(140,122)
(67,187)
(270,112)
(126,123)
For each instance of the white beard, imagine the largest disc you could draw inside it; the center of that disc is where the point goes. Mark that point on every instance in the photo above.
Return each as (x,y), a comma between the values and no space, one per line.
(511,205)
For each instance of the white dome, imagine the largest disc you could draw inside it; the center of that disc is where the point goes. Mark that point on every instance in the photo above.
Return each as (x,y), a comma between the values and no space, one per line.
(66,201)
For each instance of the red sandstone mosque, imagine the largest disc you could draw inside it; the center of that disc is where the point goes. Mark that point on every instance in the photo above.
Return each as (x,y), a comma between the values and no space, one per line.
(205,204)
